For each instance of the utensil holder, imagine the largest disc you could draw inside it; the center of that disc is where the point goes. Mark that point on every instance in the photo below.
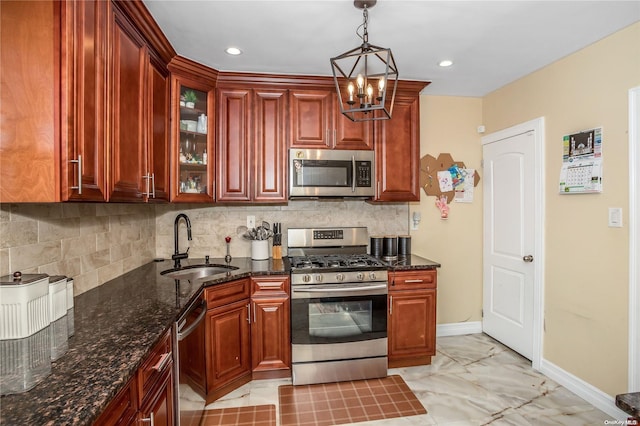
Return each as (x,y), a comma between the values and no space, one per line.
(260,249)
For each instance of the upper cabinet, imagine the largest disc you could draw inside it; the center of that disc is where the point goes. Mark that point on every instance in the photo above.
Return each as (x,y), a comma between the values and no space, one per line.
(139,109)
(251,142)
(83,163)
(193,154)
(99,128)
(29,144)
(316,122)
(398,152)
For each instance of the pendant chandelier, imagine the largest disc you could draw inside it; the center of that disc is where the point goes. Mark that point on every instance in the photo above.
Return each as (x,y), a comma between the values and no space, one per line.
(365,77)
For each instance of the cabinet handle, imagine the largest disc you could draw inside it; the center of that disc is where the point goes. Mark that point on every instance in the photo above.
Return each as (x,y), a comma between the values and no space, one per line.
(249,313)
(378,189)
(162,362)
(153,185)
(79,162)
(146,177)
(150,420)
(390,305)
(335,138)
(255,320)
(413,281)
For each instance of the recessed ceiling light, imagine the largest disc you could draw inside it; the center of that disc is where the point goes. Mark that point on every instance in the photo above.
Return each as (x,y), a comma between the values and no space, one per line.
(445,63)
(233,51)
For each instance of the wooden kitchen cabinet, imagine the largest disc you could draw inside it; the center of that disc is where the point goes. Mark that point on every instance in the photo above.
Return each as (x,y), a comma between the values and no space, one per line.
(148,396)
(139,117)
(269,153)
(29,61)
(316,122)
(412,317)
(233,165)
(251,145)
(227,337)
(193,155)
(84,94)
(270,327)
(397,146)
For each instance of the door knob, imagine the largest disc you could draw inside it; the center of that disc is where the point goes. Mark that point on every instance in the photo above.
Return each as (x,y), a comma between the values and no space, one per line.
(528,258)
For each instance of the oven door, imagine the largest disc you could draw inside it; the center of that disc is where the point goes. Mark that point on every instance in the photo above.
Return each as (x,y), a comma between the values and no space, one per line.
(338,313)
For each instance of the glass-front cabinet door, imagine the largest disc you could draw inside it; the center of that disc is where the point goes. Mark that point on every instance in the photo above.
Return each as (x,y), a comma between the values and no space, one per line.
(193,142)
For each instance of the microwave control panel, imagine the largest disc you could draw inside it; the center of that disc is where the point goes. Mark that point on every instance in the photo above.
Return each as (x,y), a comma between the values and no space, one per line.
(363,173)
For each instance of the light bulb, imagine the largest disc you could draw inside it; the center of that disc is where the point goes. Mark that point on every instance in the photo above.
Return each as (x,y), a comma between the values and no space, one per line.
(360,81)
(381,84)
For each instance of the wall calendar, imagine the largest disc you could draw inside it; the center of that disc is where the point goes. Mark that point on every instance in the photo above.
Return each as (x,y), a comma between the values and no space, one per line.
(581,171)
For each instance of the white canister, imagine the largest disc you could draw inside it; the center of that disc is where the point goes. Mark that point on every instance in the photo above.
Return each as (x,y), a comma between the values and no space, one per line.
(260,249)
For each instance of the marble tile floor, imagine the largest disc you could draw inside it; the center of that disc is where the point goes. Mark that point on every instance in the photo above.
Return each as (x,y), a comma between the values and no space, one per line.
(473,380)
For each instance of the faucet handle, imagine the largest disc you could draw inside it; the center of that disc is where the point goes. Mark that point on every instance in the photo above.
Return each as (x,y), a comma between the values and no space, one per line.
(206,259)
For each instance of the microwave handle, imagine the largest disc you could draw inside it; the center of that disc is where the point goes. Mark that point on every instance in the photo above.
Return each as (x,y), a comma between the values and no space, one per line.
(353,173)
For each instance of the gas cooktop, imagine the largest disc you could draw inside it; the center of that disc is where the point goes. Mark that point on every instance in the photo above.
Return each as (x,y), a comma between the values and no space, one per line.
(336,262)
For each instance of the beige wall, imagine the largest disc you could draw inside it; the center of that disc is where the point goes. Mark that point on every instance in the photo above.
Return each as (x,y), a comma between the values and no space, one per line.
(586,278)
(93,243)
(449,125)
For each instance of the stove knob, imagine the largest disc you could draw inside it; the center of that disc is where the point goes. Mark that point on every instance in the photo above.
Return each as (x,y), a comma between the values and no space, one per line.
(372,276)
(360,276)
(306,278)
(319,278)
(340,277)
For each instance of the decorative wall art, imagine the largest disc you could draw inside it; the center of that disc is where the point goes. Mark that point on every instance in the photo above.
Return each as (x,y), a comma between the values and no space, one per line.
(447,180)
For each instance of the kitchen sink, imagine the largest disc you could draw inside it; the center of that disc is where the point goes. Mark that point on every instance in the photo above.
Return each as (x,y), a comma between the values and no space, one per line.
(196,272)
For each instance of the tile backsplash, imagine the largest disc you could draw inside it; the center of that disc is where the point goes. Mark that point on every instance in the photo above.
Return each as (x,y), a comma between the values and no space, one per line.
(210,225)
(94,243)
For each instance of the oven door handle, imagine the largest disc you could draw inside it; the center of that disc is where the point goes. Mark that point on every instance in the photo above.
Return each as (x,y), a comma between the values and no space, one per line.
(341,290)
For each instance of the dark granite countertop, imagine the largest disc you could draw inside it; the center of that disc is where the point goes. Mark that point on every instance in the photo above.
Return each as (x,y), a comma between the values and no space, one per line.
(629,403)
(412,262)
(116,325)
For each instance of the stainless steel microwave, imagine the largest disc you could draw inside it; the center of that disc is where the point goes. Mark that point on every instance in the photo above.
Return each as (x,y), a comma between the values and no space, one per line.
(331,173)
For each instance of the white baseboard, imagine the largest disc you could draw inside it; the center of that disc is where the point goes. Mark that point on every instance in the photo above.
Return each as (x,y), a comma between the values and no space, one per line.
(584,390)
(458,328)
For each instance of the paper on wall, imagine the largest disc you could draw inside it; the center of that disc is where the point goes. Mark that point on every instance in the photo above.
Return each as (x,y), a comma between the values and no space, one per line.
(464,192)
(444,180)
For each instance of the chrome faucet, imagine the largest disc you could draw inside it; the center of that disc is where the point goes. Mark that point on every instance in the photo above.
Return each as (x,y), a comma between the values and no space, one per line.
(177,255)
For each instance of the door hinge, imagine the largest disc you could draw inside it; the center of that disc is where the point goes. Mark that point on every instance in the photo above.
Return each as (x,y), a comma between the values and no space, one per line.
(481,313)
(482,163)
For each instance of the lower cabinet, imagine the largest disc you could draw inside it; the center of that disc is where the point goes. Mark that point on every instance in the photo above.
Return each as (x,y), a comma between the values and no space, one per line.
(247,333)
(228,346)
(148,396)
(412,317)
(270,327)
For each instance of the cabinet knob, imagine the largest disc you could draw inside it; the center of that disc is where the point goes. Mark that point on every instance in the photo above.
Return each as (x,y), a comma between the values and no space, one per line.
(528,258)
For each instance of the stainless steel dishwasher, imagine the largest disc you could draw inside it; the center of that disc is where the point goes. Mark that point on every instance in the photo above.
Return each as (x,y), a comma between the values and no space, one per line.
(190,383)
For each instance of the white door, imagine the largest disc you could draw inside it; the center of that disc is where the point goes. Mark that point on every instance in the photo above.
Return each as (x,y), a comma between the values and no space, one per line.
(510,232)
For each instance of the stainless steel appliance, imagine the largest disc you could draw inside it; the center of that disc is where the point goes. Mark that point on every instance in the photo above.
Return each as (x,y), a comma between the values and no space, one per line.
(190,383)
(338,306)
(331,173)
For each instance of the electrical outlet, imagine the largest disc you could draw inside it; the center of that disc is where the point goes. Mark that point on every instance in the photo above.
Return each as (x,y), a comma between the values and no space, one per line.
(251,222)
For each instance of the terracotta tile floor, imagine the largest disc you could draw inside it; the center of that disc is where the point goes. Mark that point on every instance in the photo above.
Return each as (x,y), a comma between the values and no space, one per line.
(473,380)
(347,402)
(255,415)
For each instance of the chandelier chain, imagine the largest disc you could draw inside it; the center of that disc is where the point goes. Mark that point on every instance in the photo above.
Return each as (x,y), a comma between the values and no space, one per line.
(365,20)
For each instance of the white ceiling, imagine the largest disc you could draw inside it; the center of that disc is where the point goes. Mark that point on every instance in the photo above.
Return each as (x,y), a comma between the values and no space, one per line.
(492,43)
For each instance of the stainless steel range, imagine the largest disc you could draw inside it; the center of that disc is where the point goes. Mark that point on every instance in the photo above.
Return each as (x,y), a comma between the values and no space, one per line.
(338,306)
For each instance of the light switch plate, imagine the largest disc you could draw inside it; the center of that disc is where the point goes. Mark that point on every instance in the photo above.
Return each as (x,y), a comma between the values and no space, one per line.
(251,222)
(615,217)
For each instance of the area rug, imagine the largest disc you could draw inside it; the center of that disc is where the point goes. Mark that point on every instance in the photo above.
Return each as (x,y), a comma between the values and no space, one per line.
(256,415)
(347,402)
